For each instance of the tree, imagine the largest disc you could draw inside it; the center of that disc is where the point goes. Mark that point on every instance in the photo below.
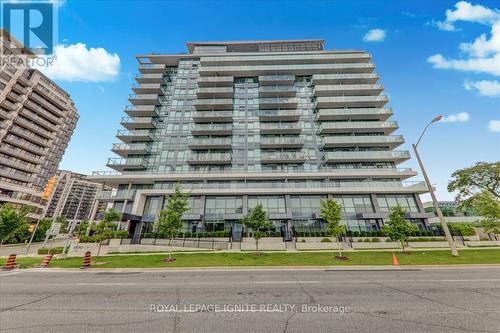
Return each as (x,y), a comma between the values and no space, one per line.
(170,221)
(397,227)
(43,226)
(107,228)
(473,180)
(64,223)
(479,188)
(331,212)
(256,219)
(488,208)
(12,221)
(81,229)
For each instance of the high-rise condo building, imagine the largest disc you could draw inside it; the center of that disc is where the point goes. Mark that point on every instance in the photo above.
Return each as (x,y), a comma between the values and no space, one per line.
(284,123)
(37,119)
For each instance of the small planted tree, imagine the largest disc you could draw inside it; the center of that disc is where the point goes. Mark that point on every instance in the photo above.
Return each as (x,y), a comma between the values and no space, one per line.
(170,221)
(12,221)
(397,227)
(107,228)
(331,212)
(256,219)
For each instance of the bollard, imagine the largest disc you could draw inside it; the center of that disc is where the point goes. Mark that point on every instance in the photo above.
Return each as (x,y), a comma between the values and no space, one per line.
(11,262)
(46,260)
(395,261)
(86,260)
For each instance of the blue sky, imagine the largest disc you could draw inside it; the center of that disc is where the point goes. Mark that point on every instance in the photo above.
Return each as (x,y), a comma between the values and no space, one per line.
(409,32)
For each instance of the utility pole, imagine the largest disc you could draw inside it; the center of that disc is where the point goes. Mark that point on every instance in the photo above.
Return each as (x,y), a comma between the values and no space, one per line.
(447,233)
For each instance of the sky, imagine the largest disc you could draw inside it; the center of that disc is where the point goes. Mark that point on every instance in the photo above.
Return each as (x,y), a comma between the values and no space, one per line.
(433,57)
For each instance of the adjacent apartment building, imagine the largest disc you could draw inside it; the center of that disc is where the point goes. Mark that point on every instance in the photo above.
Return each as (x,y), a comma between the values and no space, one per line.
(284,123)
(74,197)
(37,119)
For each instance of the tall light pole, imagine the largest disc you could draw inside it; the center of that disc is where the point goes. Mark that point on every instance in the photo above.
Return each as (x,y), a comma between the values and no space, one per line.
(447,233)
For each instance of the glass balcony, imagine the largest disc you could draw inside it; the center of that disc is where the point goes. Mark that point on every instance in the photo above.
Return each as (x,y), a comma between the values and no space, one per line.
(123,149)
(216,81)
(281,142)
(120,164)
(146,88)
(141,111)
(282,157)
(280,128)
(285,69)
(143,99)
(397,156)
(214,92)
(149,78)
(151,68)
(209,158)
(213,104)
(359,113)
(210,143)
(276,79)
(348,90)
(277,91)
(212,129)
(351,102)
(362,78)
(139,123)
(363,141)
(278,102)
(277,115)
(117,195)
(385,127)
(135,135)
(213,116)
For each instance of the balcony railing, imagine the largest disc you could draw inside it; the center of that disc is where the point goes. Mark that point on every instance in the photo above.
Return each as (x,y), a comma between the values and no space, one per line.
(362,78)
(396,156)
(141,110)
(357,113)
(214,92)
(212,143)
(143,99)
(272,91)
(278,102)
(360,141)
(385,127)
(117,195)
(283,157)
(209,158)
(127,163)
(276,115)
(148,78)
(276,79)
(146,88)
(280,128)
(216,129)
(135,135)
(138,122)
(212,104)
(216,81)
(351,102)
(281,142)
(213,116)
(348,90)
(123,149)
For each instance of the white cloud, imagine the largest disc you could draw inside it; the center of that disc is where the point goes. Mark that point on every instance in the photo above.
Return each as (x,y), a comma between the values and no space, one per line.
(76,62)
(482,55)
(485,87)
(374,35)
(467,12)
(494,125)
(460,117)
(489,65)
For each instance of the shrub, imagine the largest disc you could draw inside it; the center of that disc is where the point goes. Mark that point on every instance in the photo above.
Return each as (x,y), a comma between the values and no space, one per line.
(388,240)
(88,239)
(484,239)
(367,240)
(326,240)
(465,229)
(360,241)
(302,240)
(54,250)
(375,240)
(363,234)
(355,234)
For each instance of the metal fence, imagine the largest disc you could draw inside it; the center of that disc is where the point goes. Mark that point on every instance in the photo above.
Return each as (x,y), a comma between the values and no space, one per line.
(178,242)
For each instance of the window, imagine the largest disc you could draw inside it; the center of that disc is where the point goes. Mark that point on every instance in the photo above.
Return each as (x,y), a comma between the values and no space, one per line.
(271,204)
(406,201)
(224,205)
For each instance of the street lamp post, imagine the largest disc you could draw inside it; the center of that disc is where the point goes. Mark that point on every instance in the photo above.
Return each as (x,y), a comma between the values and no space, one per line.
(447,233)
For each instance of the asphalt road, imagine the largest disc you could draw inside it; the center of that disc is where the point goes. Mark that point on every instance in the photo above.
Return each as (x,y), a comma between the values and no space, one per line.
(252,300)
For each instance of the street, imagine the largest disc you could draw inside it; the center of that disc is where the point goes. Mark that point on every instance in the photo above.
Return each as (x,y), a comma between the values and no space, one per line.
(252,300)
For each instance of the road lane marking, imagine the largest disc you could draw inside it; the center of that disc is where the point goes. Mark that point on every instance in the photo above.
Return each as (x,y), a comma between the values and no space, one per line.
(284,282)
(105,283)
(10,273)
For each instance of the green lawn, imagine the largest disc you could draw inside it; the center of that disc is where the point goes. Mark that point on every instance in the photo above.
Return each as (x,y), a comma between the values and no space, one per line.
(438,257)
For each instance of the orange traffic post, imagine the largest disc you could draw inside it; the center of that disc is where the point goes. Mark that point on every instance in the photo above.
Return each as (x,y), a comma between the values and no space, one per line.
(395,261)
(11,262)
(86,260)
(46,260)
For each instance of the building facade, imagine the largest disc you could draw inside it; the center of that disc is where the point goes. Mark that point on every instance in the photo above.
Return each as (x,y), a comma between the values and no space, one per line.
(74,197)
(37,119)
(282,123)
